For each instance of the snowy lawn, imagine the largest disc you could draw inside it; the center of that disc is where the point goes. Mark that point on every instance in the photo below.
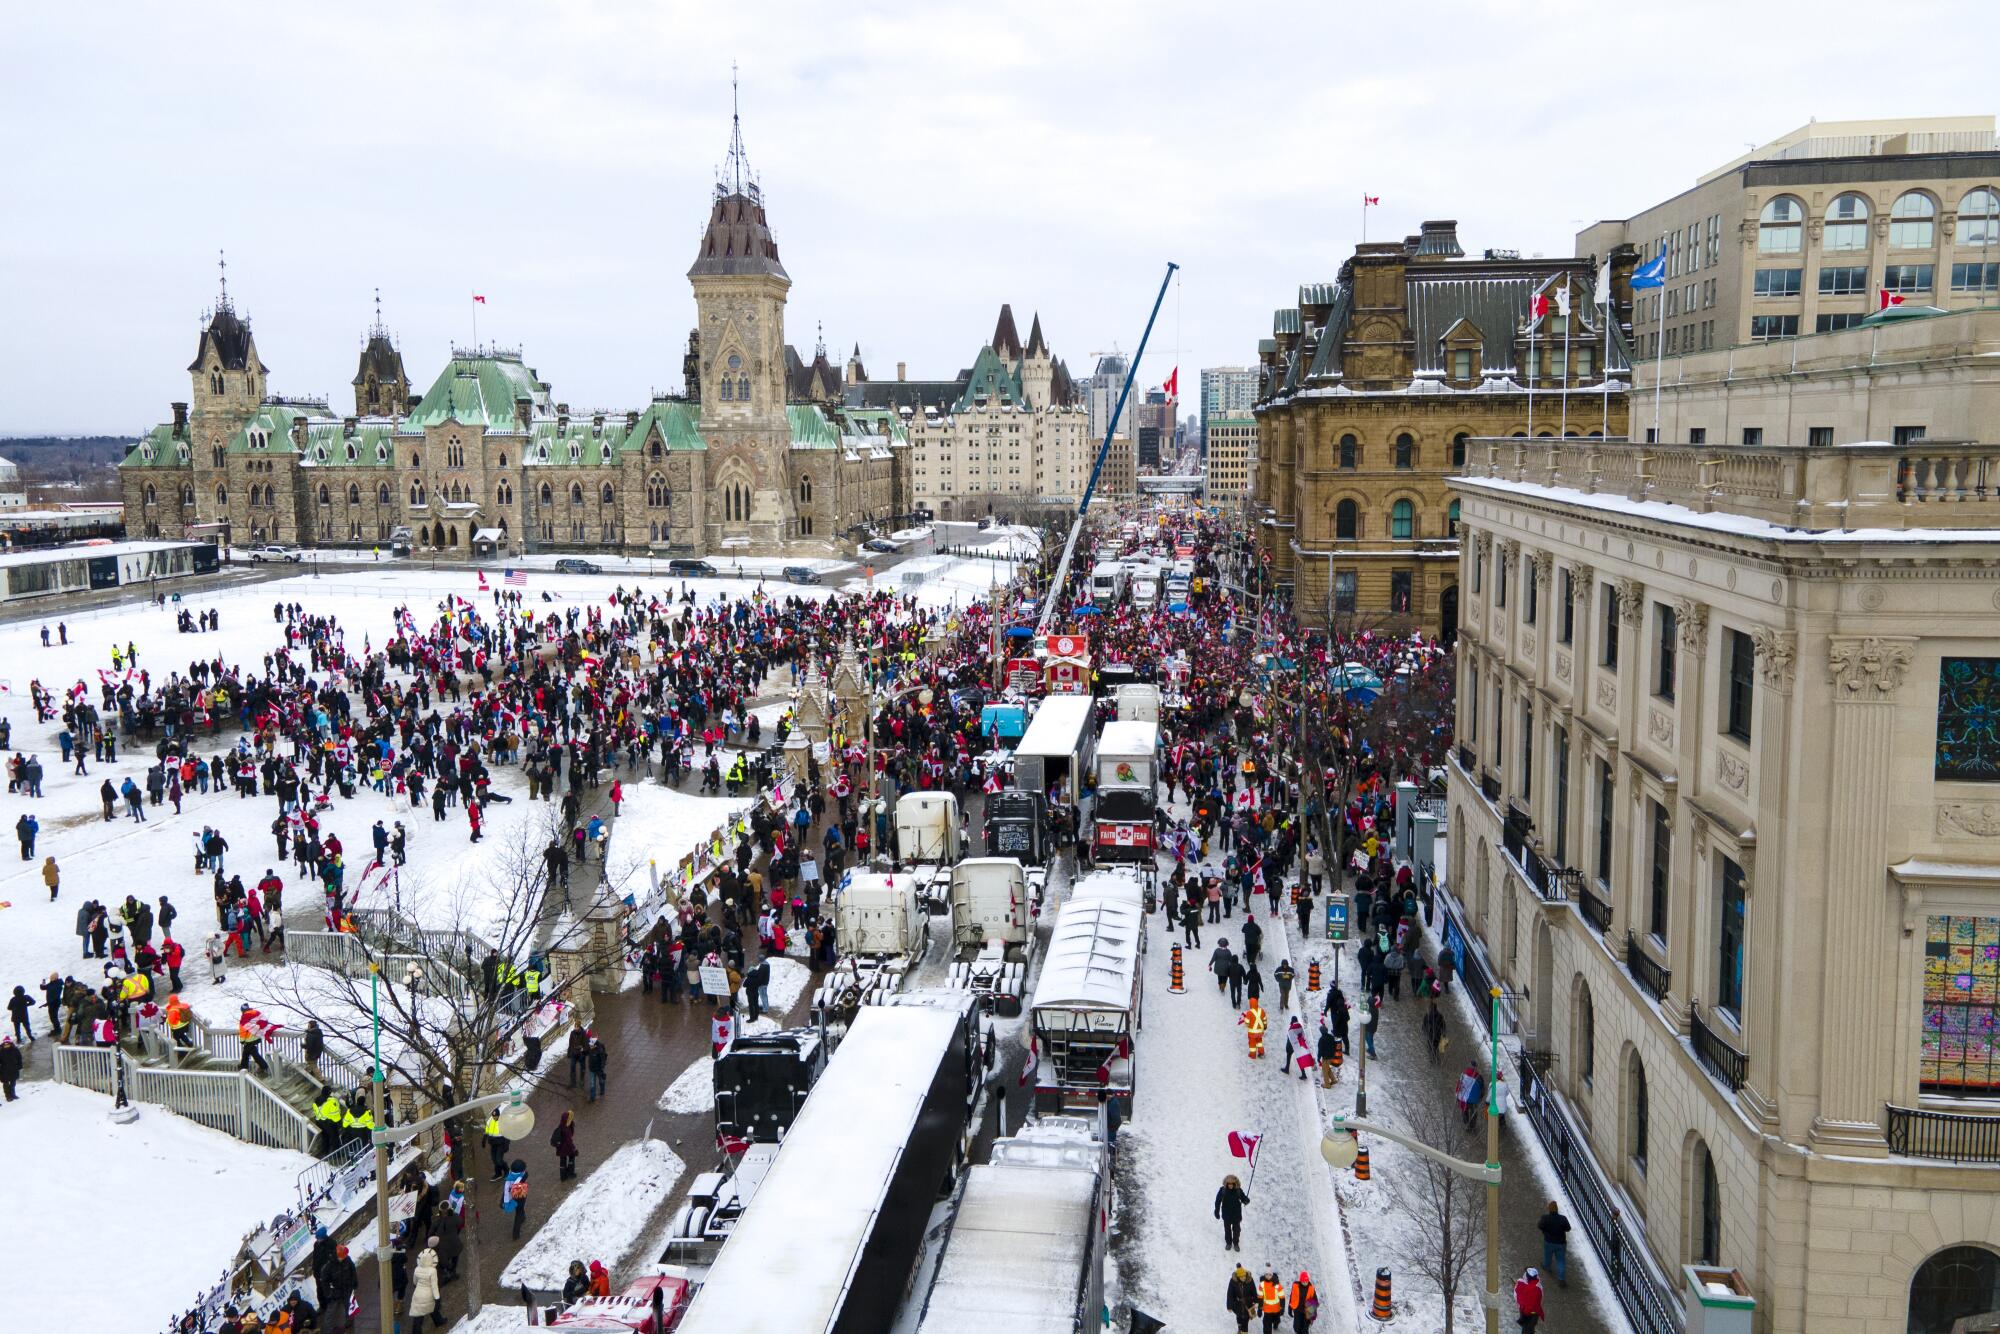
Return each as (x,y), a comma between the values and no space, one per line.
(656,827)
(604,1218)
(66,1164)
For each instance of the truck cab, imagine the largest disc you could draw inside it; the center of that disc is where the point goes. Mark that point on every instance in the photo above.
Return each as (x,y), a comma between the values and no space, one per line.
(1015,826)
(927,828)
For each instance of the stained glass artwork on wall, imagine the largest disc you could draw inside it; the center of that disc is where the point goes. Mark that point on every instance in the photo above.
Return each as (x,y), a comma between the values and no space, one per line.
(1968,726)
(1961,1038)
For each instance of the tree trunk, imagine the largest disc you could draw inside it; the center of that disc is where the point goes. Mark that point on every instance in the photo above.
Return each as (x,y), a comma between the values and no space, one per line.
(475,1280)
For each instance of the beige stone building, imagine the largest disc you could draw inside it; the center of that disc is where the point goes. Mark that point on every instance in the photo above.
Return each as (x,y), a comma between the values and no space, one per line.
(1232,441)
(759,454)
(1370,387)
(1907,372)
(1803,234)
(1724,821)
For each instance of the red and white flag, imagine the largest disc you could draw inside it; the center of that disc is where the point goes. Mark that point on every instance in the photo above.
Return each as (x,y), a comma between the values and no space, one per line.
(1889,299)
(1028,1066)
(1538,306)
(1243,1145)
(1369,201)
(480,299)
(482,580)
(1173,384)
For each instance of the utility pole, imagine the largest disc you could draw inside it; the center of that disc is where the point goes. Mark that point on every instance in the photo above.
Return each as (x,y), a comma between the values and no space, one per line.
(1493,1177)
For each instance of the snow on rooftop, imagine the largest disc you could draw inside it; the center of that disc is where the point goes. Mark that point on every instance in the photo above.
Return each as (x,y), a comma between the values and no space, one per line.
(1013,1264)
(1093,953)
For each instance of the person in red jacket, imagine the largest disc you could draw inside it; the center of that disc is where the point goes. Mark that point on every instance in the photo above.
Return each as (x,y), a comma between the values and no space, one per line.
(1528,1298)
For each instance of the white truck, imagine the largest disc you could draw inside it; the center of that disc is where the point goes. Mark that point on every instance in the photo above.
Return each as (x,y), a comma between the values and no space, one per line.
(927,828)
(1107,582)
(881,930)
(993,912)
(1145,593)
(1138,702)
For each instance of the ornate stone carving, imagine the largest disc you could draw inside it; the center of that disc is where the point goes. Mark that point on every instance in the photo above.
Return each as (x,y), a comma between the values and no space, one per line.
(1631,600)
(1660,727)
(1562,667)
(1981,820)
(1777,652)
(1733,773)
(1528,643)
(1544,565)
(1482,542)
(1607,692)
(1869,668)
(1581,577)
(1691,621)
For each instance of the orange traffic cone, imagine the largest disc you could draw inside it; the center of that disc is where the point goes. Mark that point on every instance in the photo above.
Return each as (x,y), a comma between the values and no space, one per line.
(1361,1164)
(1175,982)
(1380,1309)
(1312,976)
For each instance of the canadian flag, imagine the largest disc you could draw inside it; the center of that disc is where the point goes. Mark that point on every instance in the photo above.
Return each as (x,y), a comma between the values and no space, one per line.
(1369,201)
(480,299)
(1243,1145)
(1028,1066)
(1538,306)
(482,581)
(1173,384)
(1889,299)
(732,1144)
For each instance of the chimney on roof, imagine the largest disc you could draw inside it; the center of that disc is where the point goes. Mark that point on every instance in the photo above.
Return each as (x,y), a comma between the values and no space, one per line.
(632,419)
(180,421)
(902,370)
(347,427)
(597,423)
(299,433)
(524,411)
(562,418)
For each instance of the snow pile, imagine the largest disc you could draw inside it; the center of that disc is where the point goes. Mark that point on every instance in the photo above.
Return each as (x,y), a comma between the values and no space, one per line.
(604,1217)
(62,1158)
(659,825)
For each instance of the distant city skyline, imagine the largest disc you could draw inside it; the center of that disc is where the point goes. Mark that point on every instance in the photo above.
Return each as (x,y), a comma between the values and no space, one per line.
(921,166)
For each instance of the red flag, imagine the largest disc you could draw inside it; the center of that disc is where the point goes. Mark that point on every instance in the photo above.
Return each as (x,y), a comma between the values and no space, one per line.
(1173,384)
(1367,200)
(1889,299)
(482,580)
(1538,306)
(480,299)
(1243,1145)
(1028,1066)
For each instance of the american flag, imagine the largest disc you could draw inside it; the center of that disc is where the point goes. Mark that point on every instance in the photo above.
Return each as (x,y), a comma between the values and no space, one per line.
(517,578)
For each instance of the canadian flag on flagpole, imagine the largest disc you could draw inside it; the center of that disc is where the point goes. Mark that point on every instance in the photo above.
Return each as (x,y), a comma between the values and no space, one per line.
(1243,1145)
(1369,201)
(1173,384)
(482,581)
(1028,1066)
(1538,306)
(1889,299)
(480,299)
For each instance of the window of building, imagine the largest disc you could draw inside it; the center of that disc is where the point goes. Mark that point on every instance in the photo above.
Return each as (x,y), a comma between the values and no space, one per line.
(1343,597)
(1697,435)
(1560,815)
(1979,217)
(1531,596)
(1912,224)
(1753,435)
(1472,701)
(1906,277)
(1707,1240)
(1500,581)
(1350,452)
(1739,665)
(1606,811)
(1819,437)
(1662,847)
(1566,617)
(1834,323)
(1906,435)
(1458,449)
(1451,519)
(1526,786)
(1968,720)
(1609,655)
(1730,954)
(1666,655)
(1461,364)
(1399,592)
(1402,521)
(1975,277)
(1714,246)
(1960,1048)
(1957,1282)
(1777,282)
(1846,224)
(1766,327)
(1637,1113)
(1781,227)
(1406,452)
(1583,1039)
(1847,280)
(1583,363)
(1346,521)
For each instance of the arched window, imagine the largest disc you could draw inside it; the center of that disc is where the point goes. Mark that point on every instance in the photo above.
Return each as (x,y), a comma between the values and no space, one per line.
(413,458)
(1350,452)
(1451,520)
(221,496)
(805,490)
(1638,1114)
(505,492)
(656,492)
(416,493)
(382,494)
(1846,223)
(1458,449)
(1912,223)
(1704,1208)
(150,498)
(353,493)
(1780,227)
(1402,521)
(1957,1282)
(576,493)
(728,389)
(187,497)
(503,459)
(655,450)
(607,495)
(1583,1040)
(548,495)
(1346,521)
(743,389)
(1406,452)
(1979,217)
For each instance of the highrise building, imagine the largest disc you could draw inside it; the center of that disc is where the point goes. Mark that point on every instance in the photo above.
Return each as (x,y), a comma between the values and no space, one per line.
(1803,234)
(1232,442)
(1105,382)
(1226,391)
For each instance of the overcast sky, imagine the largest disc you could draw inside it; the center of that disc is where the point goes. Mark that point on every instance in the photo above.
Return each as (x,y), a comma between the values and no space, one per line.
(922,163)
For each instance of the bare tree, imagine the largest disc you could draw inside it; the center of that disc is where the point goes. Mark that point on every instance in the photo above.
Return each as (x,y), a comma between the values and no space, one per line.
(1449,1209)
(452,1028)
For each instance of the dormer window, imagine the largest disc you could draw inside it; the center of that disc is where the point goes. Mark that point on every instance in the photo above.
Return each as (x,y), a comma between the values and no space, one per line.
(575,452)
(381,453)
(604,451)
(352,452)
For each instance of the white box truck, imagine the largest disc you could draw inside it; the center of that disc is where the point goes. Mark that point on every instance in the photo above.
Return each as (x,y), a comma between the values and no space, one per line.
(927,828)
(881,930)
(993,911)
(1138,702)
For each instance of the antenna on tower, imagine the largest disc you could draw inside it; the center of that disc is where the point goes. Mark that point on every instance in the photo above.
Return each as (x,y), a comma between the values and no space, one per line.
(378,331)
(736,160)
(222,267)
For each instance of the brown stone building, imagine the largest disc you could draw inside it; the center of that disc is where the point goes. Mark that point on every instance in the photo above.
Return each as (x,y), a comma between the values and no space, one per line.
(1371,385)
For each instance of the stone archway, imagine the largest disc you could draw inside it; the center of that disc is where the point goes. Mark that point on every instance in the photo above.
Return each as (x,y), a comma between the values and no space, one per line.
(1957,1282)
(437,535)
(1542,974)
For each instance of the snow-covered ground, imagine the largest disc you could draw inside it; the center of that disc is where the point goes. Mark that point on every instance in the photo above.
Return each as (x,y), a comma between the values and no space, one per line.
(604,1218)
(655,828)
(694,1090)
(68,1170)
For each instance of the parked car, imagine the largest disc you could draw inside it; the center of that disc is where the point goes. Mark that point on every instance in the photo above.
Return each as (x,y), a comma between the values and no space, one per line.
(880,544)
(801,574)
(276,552)
(573,565)
(688,567)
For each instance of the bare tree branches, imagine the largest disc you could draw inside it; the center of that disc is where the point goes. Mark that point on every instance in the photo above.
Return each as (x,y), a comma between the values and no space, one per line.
(1448,1209)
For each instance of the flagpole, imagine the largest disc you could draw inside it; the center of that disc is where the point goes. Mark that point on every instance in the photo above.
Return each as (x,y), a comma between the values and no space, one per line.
(1364,219)
(475,326)
(1604,371)
(1659,358)
(1533,320)
(1570,301)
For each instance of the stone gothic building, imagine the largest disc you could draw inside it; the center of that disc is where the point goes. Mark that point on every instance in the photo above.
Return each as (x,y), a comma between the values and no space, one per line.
(760,455)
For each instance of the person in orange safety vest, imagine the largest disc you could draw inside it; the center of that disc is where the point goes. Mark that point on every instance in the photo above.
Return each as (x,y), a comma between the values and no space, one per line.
(1256,1021)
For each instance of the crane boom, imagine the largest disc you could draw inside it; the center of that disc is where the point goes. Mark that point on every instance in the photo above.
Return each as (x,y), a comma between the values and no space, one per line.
(1053,594)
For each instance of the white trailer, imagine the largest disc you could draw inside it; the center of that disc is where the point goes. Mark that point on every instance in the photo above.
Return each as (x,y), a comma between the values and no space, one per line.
(881,931)
(1128,753)
(993,911)
(1058,745)
(1107,582)
(1085,1016)
(1138,702)
(927,828)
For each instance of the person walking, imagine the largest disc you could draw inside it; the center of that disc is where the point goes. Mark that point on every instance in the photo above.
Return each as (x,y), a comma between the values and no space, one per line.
(425,1295)
(1434,1032)
(1284,973)
(1528,1301)
(250,1033)
(1329,1057)
(579,1053)
(19,1006)
(596,1062)
(1271,1300)
(516,1193)
(25,830)
(1303,1302)
(1240,1299)
(563,1141)
(10,1066)
(1555,1243)
(1229,1202)
(1218,963)
(51,876)
(1471,1088)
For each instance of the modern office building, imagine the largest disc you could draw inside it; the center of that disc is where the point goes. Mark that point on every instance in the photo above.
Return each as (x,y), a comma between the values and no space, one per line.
(1226,391)
(1232,442)
(1804,234)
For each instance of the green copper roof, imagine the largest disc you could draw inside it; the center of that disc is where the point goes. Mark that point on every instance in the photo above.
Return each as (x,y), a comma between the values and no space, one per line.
(578,441)
(870,421)
(480,391)
(991,380)
(157,448)
(269,430)
(373,444)
(675,421)
(811,427)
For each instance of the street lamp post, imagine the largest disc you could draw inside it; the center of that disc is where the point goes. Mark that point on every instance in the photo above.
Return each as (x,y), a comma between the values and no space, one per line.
(1339,1147)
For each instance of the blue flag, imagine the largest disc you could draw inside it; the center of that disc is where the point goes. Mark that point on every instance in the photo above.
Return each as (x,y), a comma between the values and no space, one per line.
(1653,274)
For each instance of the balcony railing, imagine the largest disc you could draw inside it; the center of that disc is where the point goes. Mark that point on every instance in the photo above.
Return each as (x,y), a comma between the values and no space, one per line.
(1596,911)
(1489,784)
(1716,1056)
(1952,1136)
(1654,978)
(1468,760)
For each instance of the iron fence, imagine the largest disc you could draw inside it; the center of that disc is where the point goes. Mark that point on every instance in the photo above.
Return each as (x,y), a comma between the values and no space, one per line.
(1716,1055)
(1953,1136)
(1654,978)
